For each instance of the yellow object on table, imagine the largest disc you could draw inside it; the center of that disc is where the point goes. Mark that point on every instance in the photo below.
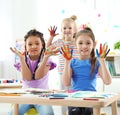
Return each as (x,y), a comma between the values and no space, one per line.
(32,111)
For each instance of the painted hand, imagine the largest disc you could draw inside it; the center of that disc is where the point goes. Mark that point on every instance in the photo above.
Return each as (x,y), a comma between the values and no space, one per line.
(52,31)
(17,52)
(51,50)
(103,51)
(65,50)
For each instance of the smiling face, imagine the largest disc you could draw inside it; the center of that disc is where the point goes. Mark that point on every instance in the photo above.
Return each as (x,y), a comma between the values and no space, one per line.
(84,44)
(33,46)
(68,30)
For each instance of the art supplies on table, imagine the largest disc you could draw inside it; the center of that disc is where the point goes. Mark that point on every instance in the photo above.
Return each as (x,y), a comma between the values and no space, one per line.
(92,94)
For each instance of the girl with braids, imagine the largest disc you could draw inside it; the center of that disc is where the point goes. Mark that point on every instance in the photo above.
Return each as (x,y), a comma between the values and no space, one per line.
(81,73)
(34,67)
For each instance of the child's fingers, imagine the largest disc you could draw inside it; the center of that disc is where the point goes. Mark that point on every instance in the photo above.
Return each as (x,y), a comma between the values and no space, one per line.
(106,47)
(52,50)
(12,49)
(55,28)
(23,53)
(50,30)
(67,48)
(101,48)
(63,51)
(97,53)
(56,50)
(66,52)
(17,52)
(107,53)
(71,51)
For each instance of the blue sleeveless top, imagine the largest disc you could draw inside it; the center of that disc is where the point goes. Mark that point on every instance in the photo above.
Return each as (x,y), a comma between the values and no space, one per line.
(81,78)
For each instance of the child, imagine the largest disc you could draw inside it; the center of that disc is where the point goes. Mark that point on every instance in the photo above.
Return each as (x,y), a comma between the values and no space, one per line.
(68,30)
(81,73)
(34,67)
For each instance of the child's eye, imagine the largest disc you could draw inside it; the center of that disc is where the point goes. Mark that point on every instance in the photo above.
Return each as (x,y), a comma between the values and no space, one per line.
(88,43)
(70,28)
(37,43)
(29,44)
(80,43)
(64,28)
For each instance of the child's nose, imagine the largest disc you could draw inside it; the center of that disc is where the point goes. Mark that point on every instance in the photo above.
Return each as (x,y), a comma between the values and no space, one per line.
(33,46)
(84,45)
(68,30)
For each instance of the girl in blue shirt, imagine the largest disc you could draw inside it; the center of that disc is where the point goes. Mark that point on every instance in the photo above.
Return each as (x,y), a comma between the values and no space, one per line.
(81,73)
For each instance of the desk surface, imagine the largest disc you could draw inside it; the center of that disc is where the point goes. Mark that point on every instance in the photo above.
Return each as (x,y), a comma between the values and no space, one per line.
(61,102)
(68,101)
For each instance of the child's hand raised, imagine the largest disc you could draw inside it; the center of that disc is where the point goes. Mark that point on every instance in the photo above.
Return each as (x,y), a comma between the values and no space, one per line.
(103,51)
(17,52)
(65,50)
(52,31)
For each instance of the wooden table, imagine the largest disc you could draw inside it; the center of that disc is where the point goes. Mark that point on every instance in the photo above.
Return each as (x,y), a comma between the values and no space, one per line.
(10,85)
(78,102)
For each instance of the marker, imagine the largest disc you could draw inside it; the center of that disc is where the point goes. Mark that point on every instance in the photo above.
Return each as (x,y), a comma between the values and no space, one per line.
(56,97)
(9,94)
(91,99)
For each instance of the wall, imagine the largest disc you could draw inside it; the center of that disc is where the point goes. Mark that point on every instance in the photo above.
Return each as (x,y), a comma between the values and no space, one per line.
(17,17)
(6,30)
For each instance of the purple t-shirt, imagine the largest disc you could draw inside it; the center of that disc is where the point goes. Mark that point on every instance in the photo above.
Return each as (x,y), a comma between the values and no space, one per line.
(41,83)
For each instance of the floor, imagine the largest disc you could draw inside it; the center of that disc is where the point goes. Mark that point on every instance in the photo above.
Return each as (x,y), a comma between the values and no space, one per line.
(57,110)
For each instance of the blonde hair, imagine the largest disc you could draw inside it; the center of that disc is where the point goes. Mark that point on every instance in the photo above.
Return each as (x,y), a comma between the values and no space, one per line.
(71,19)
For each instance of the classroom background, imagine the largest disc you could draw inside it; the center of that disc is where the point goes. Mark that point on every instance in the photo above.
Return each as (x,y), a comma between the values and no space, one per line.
(19,16)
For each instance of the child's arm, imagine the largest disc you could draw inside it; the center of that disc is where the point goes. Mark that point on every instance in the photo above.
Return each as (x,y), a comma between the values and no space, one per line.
(43,69)
(67,73)
(52,31)
(25,71)
(104,72)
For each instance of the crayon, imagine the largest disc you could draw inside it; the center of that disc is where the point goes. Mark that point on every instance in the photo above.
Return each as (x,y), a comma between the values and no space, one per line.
(9,94)
(91,99)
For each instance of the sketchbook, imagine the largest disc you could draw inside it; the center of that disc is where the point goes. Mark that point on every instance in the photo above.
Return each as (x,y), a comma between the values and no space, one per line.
(92,94)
